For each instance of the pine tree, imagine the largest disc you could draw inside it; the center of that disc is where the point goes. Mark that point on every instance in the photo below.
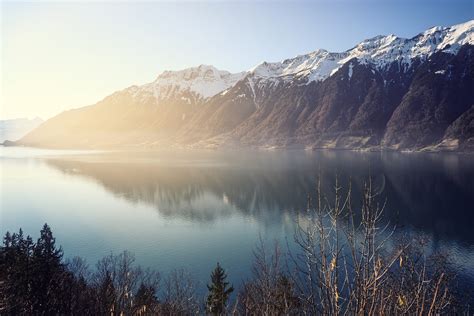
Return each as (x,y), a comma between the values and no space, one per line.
(219,291)
(16,273)
(46,248)
(48,270)
(35,281)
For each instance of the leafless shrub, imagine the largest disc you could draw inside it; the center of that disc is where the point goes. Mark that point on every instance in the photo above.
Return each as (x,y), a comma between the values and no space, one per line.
(179,294)
(345,264)
(118,279)
(78,267)
(271,291)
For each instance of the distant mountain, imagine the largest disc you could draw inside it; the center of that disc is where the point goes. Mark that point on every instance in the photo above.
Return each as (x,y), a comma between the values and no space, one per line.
(385,93)
(17,128)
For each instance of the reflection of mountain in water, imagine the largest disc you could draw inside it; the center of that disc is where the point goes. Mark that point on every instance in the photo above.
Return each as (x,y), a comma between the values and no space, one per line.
(434,193)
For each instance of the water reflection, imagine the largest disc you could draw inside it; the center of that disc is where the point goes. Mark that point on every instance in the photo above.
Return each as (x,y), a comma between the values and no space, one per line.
(432,193)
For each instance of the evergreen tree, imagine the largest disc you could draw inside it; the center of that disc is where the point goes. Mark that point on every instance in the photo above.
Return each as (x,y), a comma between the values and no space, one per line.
(16,273)
(49,273)
(46,250)
(219,291)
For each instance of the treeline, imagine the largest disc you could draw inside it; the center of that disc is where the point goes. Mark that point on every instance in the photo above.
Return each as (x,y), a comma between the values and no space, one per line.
(346,263)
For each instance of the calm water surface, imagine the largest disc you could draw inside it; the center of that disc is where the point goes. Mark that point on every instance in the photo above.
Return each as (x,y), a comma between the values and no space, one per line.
(190,209)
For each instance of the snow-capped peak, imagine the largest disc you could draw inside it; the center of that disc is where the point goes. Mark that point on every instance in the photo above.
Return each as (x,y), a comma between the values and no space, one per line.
(379,51)
(318,63)
(206,72)
(458,35)
(204,81)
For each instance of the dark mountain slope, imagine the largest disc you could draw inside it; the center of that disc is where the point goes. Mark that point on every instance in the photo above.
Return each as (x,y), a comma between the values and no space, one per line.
(441,91)
(357,101)
(221,114)
(385,93)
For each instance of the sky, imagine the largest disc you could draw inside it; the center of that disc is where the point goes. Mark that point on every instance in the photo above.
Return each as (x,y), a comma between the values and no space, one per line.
(64,54)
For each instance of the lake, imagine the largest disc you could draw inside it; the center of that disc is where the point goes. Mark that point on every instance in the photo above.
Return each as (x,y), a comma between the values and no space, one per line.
(190,209)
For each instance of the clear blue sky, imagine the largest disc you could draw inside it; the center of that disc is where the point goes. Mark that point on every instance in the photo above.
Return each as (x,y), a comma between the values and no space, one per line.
(61,55)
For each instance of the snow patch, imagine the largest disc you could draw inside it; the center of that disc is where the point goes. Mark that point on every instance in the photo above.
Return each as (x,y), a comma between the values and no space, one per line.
(349,73)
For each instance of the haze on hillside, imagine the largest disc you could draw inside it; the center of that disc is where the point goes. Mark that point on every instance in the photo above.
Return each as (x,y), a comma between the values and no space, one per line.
(75,54)
(387,92)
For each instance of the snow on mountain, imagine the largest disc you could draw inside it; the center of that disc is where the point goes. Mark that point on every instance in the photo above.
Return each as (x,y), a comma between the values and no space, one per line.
(205,81)
(379,51)
(458,35)
(318,65)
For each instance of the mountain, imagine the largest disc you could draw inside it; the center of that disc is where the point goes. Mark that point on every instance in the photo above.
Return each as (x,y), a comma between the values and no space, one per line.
(14,129)
(386,92)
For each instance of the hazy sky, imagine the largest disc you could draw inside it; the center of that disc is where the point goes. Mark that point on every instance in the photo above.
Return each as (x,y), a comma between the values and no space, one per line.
(61,55)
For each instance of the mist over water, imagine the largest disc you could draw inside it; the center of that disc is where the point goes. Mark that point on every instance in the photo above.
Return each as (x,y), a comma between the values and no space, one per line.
(191,209)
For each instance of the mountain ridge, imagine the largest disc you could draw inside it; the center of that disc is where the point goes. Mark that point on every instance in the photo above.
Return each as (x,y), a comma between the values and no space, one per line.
(358,99)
